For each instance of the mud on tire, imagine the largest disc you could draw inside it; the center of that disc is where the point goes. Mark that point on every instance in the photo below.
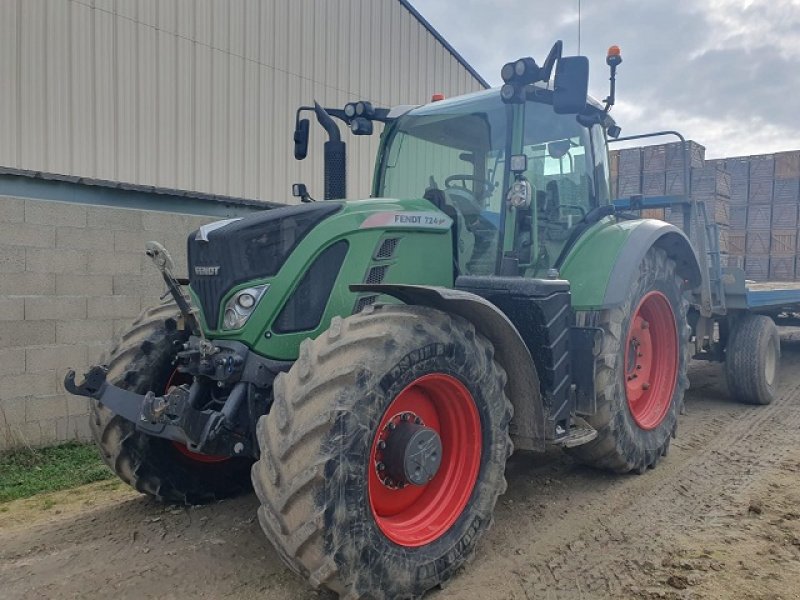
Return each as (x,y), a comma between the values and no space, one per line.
(312,477)
(621,444)
(141,360)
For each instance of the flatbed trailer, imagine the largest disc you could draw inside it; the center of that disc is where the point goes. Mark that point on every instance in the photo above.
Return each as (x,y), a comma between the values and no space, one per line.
(772,297)
(733,320)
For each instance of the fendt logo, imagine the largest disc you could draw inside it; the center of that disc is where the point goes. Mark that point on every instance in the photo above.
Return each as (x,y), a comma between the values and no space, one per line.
(210,271)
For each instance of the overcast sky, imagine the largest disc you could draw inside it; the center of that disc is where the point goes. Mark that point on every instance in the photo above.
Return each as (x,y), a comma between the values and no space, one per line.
(723,72)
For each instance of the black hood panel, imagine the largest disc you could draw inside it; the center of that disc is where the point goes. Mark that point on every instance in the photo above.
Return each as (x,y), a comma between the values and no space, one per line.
(253,247)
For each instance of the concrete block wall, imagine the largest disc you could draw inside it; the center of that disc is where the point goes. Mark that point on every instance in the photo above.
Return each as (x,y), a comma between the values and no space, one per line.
(72,276)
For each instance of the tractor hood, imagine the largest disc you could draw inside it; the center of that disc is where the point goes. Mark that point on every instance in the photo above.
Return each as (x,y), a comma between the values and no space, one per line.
(227,253)
(299,263)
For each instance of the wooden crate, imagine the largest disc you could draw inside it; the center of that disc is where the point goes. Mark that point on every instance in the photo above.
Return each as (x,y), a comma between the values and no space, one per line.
(653,184)
(654,213)
(696,155)
(787,165)
(782,268)
(756,268)
(613,163)
(724,238)
(739,168)
(654,159)
(760,191)
(783,242)
(630,162)
(784,216)
(675,185)
(786,190)
(739,192)
(758,243)
(737,242)
(759,216)
(732,261)
(629,185)
(762,167)
(738,216)
(711,179)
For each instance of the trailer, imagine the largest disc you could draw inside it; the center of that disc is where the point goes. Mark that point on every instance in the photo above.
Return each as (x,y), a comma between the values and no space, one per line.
(734,320)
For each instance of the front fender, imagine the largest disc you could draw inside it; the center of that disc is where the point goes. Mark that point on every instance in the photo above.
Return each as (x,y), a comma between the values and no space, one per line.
(602,265)
(528,424)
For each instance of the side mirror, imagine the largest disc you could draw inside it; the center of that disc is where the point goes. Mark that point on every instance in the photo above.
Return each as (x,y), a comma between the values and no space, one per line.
(301,139)
(571,85)
(299,190)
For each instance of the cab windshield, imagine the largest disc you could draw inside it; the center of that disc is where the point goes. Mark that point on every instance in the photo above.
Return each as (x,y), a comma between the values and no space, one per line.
(457,150)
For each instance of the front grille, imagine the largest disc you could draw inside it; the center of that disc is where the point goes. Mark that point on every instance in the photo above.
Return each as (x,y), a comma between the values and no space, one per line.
(376,274)
(303,310)
(251,248)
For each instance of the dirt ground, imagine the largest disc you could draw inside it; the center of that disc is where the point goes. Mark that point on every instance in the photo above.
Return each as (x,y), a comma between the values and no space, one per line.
(719,518)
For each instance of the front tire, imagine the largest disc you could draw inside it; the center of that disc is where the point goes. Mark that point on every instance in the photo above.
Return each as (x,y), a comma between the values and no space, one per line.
(641,372)
(142,361)
(326,504)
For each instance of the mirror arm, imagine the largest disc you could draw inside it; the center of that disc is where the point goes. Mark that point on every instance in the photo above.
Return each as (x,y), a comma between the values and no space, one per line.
(613,61)
(552,57)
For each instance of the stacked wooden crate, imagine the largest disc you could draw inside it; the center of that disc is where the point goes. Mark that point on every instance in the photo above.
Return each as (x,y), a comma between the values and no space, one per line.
(784,248)
(652,171)
(766,202)
(754,200)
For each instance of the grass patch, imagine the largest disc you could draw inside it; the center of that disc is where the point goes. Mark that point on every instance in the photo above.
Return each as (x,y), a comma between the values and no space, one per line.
(27,472)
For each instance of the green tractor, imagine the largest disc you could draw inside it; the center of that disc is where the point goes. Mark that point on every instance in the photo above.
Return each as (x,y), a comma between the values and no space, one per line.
(370,365)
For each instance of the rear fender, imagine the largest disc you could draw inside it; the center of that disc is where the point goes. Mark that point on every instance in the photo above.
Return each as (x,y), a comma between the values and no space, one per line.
(603,264)
(528,424)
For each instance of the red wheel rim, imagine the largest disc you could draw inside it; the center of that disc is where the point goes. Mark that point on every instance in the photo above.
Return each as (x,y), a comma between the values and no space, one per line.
(414,516)
(178,378)
(651,360)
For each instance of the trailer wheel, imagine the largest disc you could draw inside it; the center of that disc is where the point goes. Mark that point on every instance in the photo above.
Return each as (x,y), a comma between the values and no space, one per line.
(384,452)
(141,361)
(640,374)
(752,359)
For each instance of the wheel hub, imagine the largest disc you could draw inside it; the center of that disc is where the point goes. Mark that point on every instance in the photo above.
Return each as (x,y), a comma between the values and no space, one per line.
(651,360)
(407,452)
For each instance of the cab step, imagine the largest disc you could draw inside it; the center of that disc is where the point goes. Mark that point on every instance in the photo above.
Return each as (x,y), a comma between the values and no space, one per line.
(577,436)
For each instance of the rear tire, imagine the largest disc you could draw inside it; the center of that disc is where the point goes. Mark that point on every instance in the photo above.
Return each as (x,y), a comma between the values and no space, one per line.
(142,361)
(322,504)
(633,429)
(752,359)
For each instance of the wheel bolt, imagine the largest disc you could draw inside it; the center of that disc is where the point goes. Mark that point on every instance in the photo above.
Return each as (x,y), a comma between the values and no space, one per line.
(405,416)
(645,325)
(382,445)
(645,386)
(381,466)
(392,426)
(639,367)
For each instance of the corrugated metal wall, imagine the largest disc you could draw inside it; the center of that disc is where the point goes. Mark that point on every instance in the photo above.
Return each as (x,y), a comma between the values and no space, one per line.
(201,94)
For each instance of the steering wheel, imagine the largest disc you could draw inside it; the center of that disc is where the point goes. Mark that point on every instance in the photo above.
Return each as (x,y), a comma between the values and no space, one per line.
(450,184)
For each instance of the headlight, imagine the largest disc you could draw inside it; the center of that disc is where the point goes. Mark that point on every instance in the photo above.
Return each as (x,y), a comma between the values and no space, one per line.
(241,305)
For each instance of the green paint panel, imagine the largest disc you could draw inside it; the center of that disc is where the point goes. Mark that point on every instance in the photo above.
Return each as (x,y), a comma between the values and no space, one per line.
(423,256)
(590,262)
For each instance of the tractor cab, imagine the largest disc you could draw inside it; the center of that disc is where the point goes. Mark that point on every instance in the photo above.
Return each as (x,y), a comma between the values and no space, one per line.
(509,220)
